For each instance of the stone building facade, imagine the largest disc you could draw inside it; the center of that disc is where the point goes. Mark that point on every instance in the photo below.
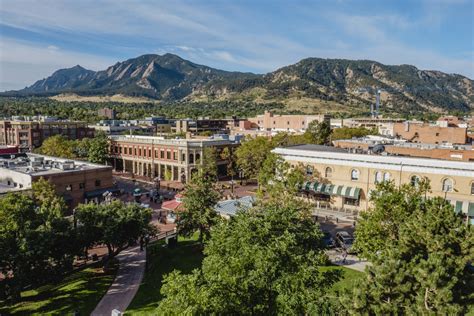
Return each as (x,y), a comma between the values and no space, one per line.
(344,180)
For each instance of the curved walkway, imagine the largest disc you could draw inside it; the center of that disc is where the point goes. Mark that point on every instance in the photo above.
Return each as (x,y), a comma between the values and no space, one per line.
(126,283)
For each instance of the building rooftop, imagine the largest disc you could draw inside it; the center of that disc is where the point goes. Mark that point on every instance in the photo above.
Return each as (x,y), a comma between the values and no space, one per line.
(320,148)
(326,154)
(38,165)
(213,140)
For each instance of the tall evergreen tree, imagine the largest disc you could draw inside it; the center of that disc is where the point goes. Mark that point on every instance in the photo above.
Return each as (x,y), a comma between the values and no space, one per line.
(420,256)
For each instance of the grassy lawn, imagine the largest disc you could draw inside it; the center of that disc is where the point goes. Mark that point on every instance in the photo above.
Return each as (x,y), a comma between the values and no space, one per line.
(80,291)
(161,260)
(185,258)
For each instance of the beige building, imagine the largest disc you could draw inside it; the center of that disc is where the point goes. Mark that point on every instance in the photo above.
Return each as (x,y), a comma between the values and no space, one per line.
(75,181)
(343,180)
(157,157)
(281,123)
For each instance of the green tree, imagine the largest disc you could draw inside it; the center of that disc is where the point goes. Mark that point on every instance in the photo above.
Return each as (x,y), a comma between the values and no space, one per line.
(208,163)
(98,149)
(277,175)
(251,154)
(420,264)
(35,246)
(116,224)
(318,133)
(49,203)
(262,262)
(57,146)
(199,201)
(228,155)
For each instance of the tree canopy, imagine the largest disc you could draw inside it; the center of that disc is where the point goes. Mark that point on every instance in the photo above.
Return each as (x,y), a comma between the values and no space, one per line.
(115,224)
(264,261)
(420,250)
(198,212)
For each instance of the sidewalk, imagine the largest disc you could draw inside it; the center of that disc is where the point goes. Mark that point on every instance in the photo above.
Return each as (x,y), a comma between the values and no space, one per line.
(351,262)
(126,283)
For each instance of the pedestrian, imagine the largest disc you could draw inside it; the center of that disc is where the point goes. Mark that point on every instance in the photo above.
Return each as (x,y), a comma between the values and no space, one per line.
(344,255)
(141,243)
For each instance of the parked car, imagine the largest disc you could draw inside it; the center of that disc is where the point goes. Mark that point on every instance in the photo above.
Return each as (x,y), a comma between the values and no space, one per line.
(328,240)
(344,240)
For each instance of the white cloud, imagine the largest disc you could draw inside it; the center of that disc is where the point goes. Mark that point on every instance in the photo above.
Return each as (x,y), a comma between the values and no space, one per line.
(22,63)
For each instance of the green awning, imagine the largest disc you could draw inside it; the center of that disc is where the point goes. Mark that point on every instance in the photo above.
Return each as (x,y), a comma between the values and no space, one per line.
(331,189)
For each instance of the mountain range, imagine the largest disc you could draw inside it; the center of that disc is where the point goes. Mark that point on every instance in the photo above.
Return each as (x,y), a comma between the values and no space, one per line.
(309,85)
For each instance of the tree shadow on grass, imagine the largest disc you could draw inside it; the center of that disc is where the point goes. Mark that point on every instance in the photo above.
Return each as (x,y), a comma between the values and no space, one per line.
(161,260)
(80,291)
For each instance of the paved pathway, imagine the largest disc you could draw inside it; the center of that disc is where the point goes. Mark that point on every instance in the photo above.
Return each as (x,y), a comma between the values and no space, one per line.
(126,283)
(351,262)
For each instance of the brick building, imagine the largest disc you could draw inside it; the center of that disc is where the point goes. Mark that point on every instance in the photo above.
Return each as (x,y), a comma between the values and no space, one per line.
(419,132)
(28,135)
(75,181)
(175,159)
(402,148)
(107,113)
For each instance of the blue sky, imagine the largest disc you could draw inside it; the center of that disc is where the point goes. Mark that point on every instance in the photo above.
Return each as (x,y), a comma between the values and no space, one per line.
(38,37)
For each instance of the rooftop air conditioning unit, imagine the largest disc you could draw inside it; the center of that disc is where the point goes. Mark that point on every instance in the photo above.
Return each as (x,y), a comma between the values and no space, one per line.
(66,165)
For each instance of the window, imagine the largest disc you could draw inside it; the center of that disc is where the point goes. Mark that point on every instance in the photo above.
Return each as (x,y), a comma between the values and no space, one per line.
(355,174)
(378,177)
(149,153)
(386,176)
(309,171)
(350,201)
(175,155)
(447,185)
(328,172)
(97,183)
(162,154)
(168,154)
(414,180)
(82,185)
(472,188)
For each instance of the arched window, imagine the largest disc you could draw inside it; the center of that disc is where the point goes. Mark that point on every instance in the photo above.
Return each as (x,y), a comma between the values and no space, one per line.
(414,180)
(355,174)
(378,177)
(328,172)
(447,185)
(386,176)
(309,171)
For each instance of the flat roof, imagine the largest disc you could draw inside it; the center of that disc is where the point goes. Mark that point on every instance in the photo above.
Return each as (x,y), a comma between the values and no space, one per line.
(312,147)
(177,142)
(324,155)
(38,165)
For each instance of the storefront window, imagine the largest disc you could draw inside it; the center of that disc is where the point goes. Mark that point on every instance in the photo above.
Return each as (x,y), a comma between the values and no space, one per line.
(350,201)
